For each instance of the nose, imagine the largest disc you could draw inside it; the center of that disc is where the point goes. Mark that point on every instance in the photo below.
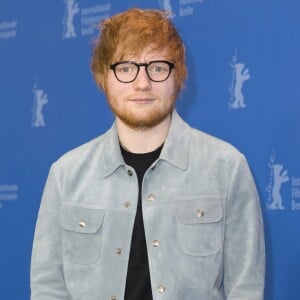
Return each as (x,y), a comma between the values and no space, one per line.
(142,81)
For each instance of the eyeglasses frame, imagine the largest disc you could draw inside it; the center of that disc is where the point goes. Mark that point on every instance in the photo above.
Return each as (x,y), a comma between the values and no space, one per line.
(113,67)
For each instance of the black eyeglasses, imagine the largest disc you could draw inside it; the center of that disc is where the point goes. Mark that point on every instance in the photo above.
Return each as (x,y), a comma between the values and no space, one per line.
(157,70)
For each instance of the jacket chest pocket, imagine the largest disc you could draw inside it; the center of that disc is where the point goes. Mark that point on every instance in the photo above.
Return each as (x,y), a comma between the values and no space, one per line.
(200,226)
(81,234)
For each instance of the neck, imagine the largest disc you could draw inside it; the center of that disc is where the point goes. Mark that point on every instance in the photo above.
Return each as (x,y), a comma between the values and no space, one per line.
(143,140)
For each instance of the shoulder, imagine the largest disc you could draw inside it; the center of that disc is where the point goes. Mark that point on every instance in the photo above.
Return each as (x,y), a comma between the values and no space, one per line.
(79,158)
(82,152)
(211,143)
(214,151)
(200,142)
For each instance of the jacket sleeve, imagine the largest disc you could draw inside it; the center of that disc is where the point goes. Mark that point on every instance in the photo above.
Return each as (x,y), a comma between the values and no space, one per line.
(244,253)
(47,279)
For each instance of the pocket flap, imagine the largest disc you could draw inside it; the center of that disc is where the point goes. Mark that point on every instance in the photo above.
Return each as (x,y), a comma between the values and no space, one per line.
(81,219)
(202,210)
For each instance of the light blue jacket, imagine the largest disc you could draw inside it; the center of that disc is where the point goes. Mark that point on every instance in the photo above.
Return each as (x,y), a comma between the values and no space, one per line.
(201,213)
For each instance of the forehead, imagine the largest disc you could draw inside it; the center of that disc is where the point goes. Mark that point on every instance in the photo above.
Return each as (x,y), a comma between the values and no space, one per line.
(145,55)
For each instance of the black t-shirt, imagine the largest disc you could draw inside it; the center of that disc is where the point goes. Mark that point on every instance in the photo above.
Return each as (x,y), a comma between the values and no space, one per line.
(138,286)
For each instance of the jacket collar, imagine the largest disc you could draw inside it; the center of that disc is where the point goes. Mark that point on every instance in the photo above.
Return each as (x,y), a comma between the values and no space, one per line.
(175,150)
(177,144)
(111,156)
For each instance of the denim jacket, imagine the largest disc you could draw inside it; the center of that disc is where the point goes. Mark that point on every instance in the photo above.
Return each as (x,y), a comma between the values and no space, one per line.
(201,213)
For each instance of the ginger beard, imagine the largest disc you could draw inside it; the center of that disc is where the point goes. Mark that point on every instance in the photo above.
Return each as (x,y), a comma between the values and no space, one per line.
(141,115)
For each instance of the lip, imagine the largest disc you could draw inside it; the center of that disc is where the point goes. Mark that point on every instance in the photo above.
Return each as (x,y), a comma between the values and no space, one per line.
(142,100)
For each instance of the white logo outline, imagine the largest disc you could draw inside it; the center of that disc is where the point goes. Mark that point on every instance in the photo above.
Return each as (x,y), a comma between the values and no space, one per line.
(71,9)
(240,74)
(278,176)
(166,5)
(40,99)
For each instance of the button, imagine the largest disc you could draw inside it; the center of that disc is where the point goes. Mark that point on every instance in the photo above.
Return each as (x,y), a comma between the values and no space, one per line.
(155,243)
(126,204)
(113,297)
(200,213)
(82,223)
(119,251)
(129,172)
(151,197)
(161,289)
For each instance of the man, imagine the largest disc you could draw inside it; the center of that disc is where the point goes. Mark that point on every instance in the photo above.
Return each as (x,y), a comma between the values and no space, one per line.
(152,209)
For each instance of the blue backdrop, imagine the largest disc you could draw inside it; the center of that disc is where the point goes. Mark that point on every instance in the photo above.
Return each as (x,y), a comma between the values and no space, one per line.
(243,86)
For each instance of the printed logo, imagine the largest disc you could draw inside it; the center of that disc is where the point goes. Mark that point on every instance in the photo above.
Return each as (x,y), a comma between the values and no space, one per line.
(166,5)
(278,177)
(90,17)
(295,193)
(239,75)
(71,9)
(8,30)
(8,192)
(187,7)
(40,99)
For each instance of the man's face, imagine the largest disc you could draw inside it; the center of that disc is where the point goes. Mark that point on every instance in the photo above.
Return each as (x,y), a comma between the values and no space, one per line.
(143,103)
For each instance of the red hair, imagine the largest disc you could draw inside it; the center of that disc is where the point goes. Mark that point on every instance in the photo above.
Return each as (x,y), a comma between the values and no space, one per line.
(129,33)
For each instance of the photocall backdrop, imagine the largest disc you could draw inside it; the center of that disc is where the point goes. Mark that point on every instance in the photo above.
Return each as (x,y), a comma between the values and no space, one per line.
(243,87)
